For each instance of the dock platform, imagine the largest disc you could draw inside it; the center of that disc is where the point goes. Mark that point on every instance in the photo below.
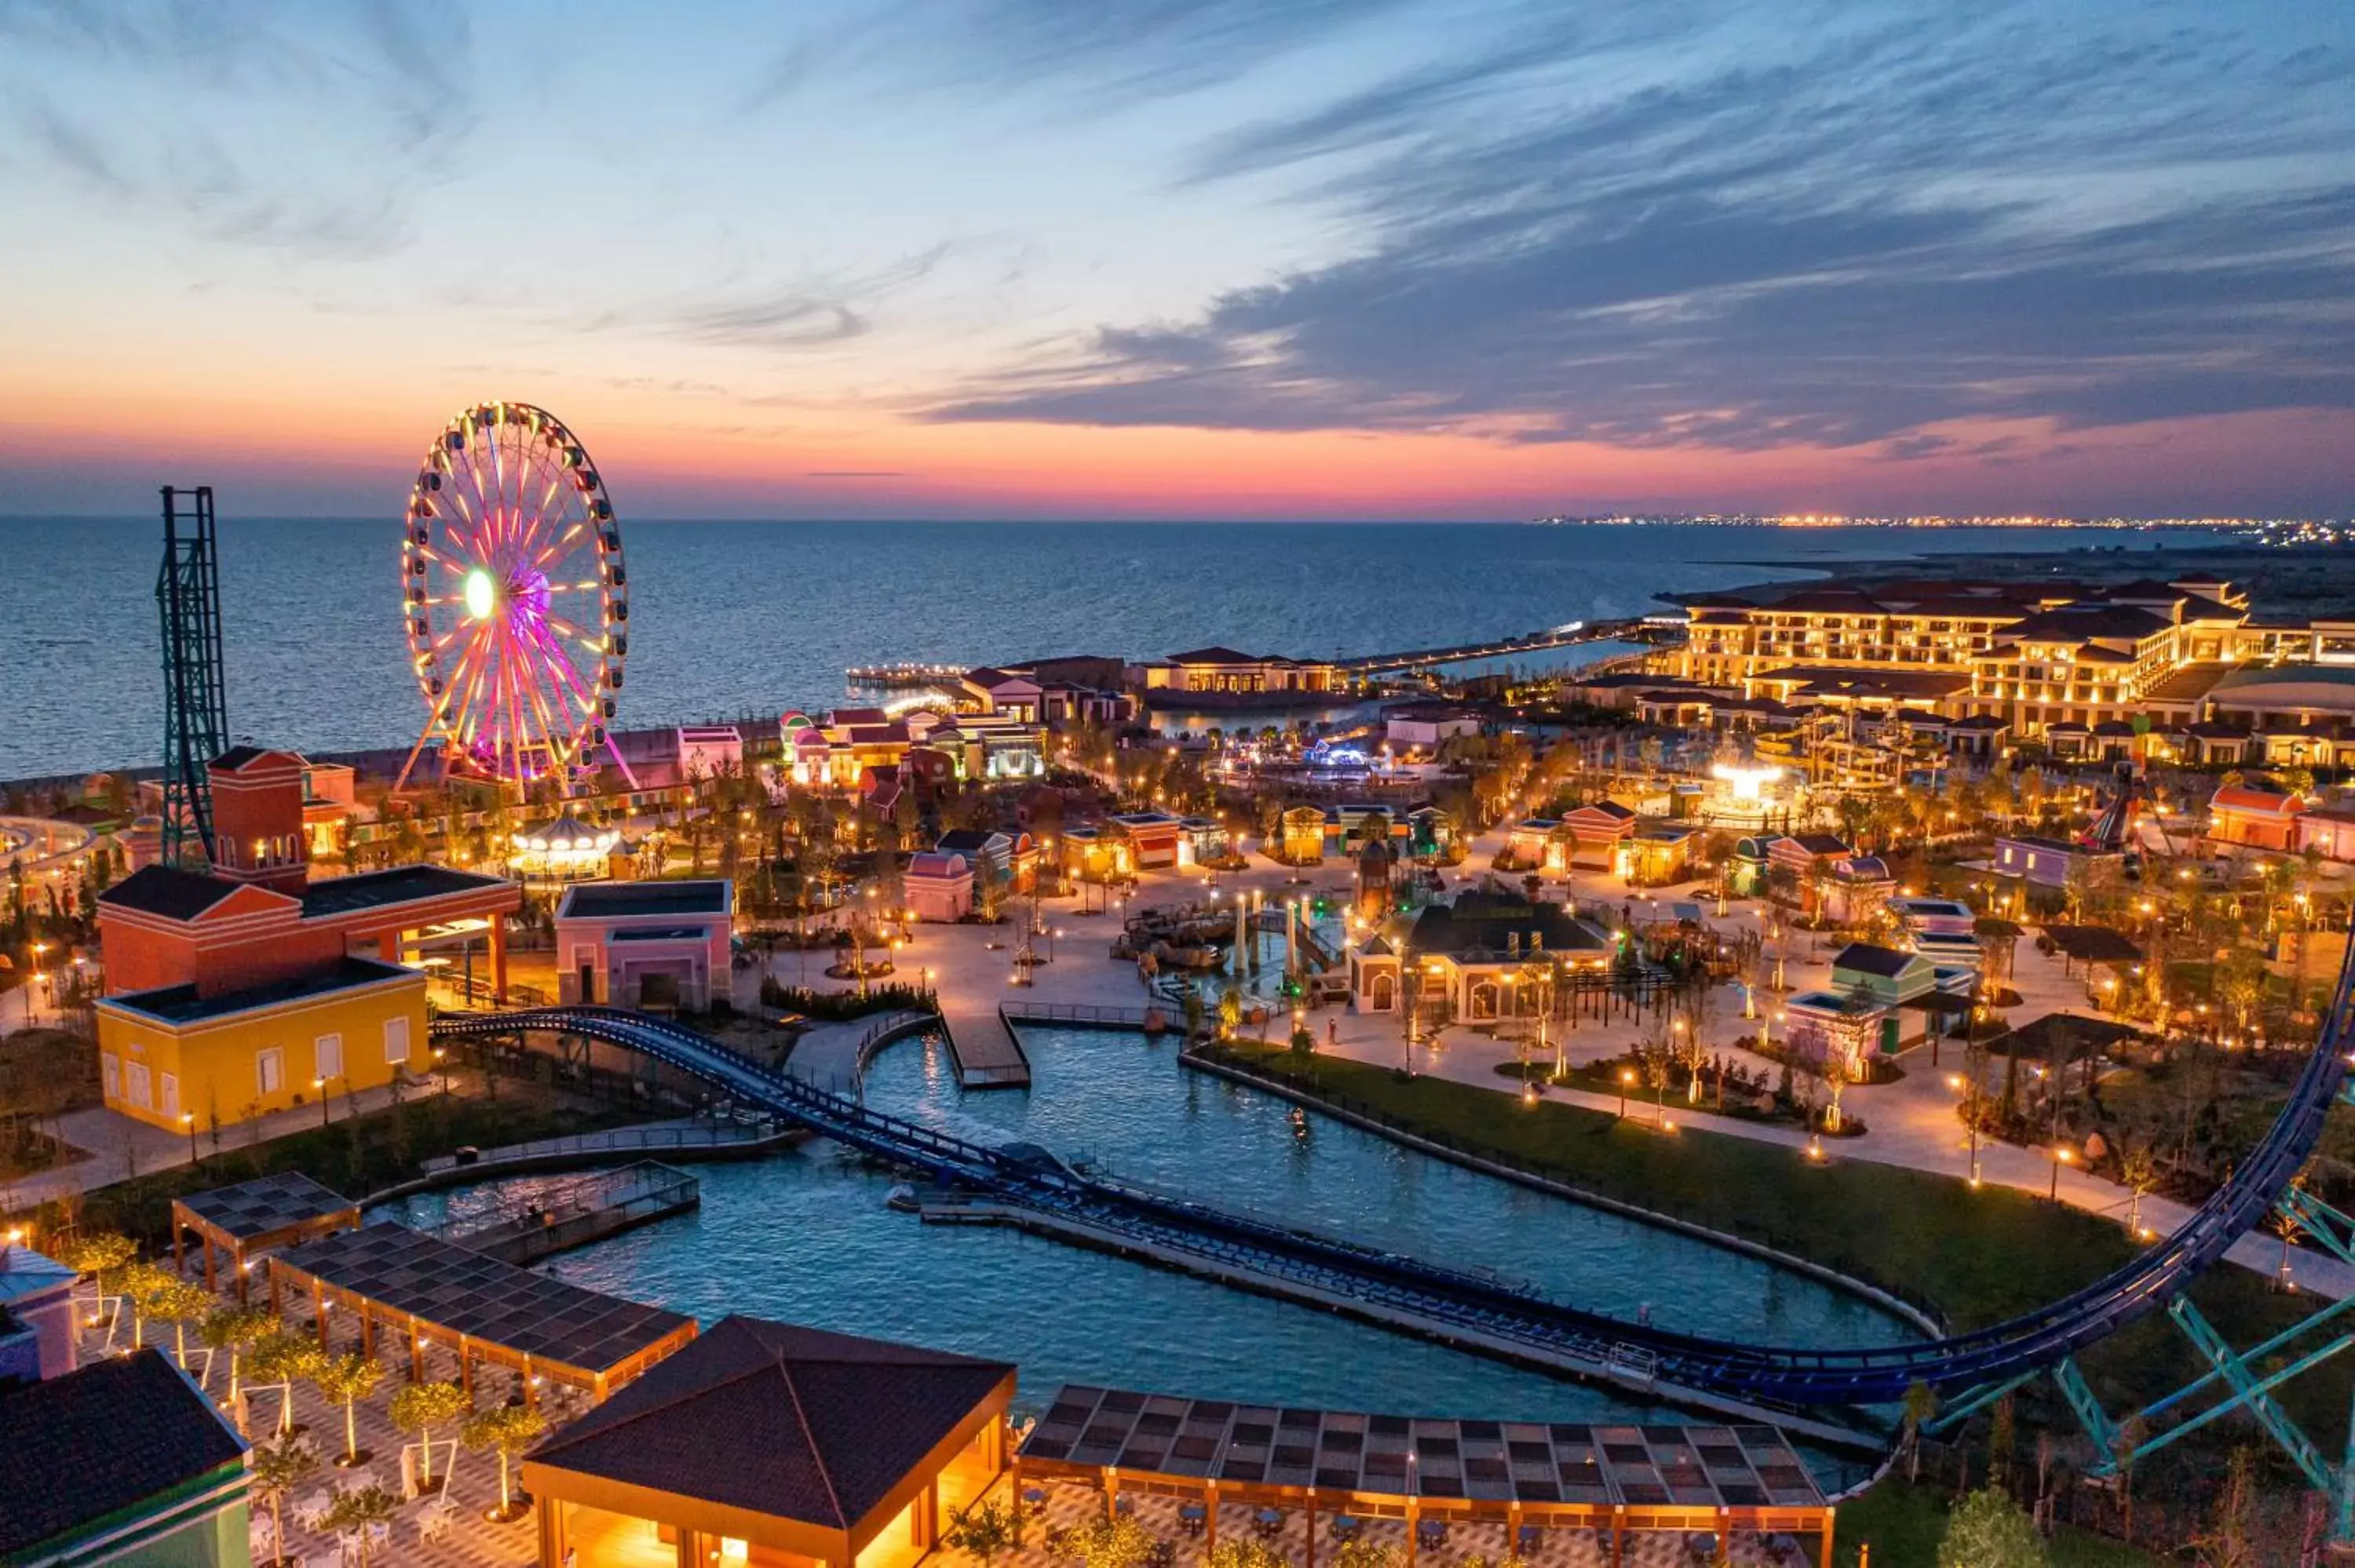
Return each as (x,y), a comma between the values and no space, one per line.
(987,1055)
(588,1209)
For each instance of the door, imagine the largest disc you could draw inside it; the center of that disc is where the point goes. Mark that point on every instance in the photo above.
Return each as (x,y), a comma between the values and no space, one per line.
(268,1072)
(109,1075)
(168,1095)
(588,983)
(136,1088)
(396,1041)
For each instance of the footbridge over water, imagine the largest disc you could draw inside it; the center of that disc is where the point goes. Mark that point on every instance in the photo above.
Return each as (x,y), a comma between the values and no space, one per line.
(1775,1383)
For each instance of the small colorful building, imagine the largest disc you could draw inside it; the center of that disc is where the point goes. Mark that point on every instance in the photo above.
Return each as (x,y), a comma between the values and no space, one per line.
(2255,818)
(2048,861)
(1596,831)
(775,1446)
(179,1056)
(122,1461)
(1884,974)
(1832,1026)
(1857,889)
(2330,831)
(642,944)
(1474,956)
(1153,839)
(939,885)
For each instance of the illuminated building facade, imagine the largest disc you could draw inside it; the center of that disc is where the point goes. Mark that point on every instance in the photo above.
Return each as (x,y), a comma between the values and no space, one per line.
(2031,655)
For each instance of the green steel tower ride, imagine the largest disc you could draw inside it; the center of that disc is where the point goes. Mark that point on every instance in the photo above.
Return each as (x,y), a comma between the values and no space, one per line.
(196,710)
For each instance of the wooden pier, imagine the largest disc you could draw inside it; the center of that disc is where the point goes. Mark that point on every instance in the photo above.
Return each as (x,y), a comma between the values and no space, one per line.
(589,1209)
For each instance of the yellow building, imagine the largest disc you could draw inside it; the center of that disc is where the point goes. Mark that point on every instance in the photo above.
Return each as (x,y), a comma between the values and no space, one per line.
(177,1059)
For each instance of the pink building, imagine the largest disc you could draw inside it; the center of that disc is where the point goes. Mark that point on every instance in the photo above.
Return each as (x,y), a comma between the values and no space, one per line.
(644,944)
(939,885)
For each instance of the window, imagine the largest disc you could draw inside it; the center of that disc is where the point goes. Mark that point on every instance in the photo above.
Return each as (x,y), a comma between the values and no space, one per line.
(109,1075)
(268,1071)
(396,1041)
(135,1088)
(170,1083)
(327,1056)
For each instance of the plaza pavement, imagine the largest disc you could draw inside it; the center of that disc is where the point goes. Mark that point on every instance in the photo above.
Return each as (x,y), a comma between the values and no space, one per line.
(1912,1123)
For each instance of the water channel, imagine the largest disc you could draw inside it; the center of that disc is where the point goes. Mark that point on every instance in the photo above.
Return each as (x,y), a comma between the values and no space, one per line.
(805,1237)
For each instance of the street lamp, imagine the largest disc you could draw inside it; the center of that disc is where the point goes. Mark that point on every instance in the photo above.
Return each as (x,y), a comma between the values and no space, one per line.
(188,1120)
(2060,1157)
(319,1085)
(1626,1080)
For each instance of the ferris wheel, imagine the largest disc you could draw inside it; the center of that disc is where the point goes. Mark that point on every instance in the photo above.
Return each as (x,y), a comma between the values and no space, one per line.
(514,598)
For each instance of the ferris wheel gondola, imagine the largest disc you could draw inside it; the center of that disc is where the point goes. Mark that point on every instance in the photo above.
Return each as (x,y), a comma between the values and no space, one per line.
(515,600)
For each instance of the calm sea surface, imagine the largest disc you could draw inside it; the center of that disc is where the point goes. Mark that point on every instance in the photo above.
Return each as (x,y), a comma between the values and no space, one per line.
(742,617)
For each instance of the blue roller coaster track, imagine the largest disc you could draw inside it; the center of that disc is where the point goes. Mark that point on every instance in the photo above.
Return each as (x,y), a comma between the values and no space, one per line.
(1993,1357)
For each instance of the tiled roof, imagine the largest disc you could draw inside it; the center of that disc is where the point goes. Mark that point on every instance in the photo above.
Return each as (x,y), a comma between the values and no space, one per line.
(99,1441)
(605,900)
(1866,958)
(790,1422)
(399,885)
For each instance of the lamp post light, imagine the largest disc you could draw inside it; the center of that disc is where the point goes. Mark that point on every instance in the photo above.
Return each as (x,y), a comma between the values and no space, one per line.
(319,1087)
(1626,1080)
(188,1121)
(2060,1157)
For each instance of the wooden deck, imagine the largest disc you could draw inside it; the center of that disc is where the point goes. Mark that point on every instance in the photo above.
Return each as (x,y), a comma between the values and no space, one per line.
(987,1055)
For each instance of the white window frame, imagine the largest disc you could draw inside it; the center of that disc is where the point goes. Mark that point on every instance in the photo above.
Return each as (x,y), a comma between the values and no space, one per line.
(167,1095)
(109,1075)
(138,1086)
(397,1029)
(270,1070)
(327,1056)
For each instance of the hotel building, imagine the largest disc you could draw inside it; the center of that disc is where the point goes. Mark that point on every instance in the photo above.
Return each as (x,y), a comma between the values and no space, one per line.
(2032,655)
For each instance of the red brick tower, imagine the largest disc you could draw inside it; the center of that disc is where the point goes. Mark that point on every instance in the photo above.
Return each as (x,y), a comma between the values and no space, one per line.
(257,833)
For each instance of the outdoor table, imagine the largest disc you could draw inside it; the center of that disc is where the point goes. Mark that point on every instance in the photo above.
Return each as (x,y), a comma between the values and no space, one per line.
(1125,1505)
(1192,1516)
(1345,1527)
(1269,1522)
(1034,1496)
(1431,1532)
(1532,1537)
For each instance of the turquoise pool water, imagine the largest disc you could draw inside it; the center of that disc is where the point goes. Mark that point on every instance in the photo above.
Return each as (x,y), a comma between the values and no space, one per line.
(806,1236)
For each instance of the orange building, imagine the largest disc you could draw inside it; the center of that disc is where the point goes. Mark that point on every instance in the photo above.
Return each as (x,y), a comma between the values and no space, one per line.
(237,991)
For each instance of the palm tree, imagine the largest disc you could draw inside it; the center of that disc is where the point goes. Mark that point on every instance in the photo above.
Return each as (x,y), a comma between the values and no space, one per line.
(419,1408)
(347,1379)
(508,1430)
(278,1468)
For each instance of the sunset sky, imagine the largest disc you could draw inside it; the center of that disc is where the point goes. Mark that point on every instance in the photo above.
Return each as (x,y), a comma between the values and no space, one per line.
(1189,257)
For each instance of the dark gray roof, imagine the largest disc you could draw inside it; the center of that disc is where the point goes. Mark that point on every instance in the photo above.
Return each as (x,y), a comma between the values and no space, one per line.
(1341,1452)
(1866,958)
(399,885)
(266,1204)
(780,1420)
(99,1441)
(1214,655)
(186,1004)
(1479,924)
(482,1298)
(168,891)
(604,900)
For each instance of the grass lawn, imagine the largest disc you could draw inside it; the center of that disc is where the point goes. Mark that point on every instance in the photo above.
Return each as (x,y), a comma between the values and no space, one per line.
(1903,1525)
(1981,1256)
(356,1154)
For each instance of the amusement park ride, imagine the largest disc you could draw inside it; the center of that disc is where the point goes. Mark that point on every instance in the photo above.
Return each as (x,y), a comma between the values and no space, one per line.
(514,598)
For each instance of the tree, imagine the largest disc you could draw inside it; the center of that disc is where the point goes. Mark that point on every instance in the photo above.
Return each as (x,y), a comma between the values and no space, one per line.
(141,1284)
(1363,1553)
(180,1303)
(1118,1542)
(1988,1529)
(354,1512)
(282,1356)
(419,1408)
(278,1468)
(1248,1553)
(100,1253)
(506,1430)
(236,1329)
(984,1530)
(347,1379)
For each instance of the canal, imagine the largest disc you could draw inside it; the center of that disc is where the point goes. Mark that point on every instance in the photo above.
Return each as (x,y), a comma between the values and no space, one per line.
(807,1238)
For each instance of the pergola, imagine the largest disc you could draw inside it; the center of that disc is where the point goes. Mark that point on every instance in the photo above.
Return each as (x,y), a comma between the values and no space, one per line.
(1516,1475)
(251,1217)
(425,1290)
